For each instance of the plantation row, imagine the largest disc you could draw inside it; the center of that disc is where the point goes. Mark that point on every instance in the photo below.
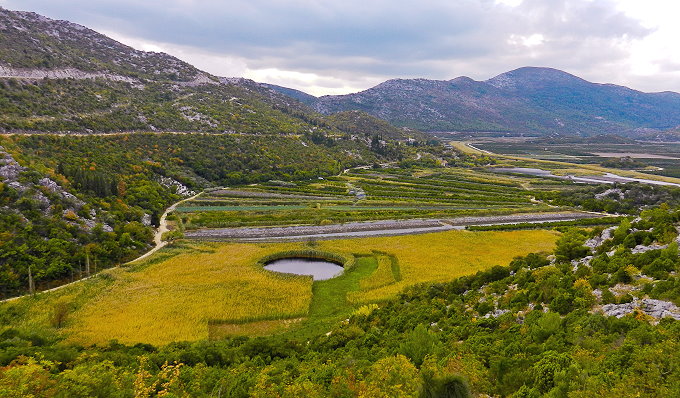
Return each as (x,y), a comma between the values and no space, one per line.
(362,195)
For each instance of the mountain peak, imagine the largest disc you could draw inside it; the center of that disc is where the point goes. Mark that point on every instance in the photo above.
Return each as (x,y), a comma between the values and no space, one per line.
(533,76)
(525,100)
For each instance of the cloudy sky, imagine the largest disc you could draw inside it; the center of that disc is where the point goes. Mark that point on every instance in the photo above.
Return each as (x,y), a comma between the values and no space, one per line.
(342,46)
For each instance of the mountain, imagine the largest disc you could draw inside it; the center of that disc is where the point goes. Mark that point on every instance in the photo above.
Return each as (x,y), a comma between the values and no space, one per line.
(293,93)
(36,46)
(57,76)
(359,122)
(525,100)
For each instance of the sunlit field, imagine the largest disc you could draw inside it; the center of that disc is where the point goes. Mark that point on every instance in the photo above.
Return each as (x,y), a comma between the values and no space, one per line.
(201,291)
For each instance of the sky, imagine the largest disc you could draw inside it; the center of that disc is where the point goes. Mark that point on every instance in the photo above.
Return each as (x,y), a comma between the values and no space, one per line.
(343,46)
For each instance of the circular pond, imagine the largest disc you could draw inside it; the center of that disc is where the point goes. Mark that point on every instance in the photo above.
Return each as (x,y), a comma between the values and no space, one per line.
(318,269)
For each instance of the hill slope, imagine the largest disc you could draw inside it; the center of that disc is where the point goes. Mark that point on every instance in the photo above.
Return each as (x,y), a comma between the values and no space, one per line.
(63,77)
(534,100)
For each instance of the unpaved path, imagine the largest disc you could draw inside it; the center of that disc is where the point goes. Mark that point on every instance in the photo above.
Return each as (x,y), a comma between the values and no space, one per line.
(162,228)
(158,241)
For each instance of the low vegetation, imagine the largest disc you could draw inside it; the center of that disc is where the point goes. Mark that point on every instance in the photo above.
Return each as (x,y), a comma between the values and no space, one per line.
(183,291)
(596,317)
(364,195)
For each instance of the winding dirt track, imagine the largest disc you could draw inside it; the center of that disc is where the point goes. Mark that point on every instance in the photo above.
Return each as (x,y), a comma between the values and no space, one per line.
(162,228)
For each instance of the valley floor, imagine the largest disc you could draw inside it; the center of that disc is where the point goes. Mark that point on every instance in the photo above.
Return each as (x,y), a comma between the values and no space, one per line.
(190,291)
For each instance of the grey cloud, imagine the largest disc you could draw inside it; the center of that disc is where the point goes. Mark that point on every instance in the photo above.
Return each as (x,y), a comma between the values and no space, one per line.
(368,39)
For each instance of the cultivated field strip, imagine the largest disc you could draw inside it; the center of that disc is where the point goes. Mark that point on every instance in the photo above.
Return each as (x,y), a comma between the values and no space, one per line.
(363,195)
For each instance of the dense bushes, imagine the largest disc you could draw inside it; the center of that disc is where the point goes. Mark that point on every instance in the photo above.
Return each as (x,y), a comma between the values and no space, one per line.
(628,198)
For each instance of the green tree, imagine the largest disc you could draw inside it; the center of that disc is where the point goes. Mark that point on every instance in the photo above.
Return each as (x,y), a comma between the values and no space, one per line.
(418,344)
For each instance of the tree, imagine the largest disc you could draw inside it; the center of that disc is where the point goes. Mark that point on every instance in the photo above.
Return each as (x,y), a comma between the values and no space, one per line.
(570,246)
(392,377)
(446,386)
(547,368)
(418,344)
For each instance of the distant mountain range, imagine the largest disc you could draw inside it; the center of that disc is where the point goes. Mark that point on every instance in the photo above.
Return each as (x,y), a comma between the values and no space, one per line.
(60,76)
(526,100)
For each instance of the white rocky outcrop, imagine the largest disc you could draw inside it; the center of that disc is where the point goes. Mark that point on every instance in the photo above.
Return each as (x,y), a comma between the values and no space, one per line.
(643,249)
(610,193)
(655,308)
(582,261)
(61,73)
(496,313)
(9,168)
(181,189)
(597,241)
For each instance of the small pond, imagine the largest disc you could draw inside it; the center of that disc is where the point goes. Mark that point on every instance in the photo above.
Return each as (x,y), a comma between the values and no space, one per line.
(319,269)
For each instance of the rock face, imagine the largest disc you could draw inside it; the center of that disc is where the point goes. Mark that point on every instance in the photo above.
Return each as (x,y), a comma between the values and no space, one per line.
(643,249)
(180,188)
(613,193)
(597,241)
(9,168)
(657,309)
(10,171)
(64,73)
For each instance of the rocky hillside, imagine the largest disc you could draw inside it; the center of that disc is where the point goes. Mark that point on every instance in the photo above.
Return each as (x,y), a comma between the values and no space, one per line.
(359,123)
(63,77)
(533,100)
(34,46)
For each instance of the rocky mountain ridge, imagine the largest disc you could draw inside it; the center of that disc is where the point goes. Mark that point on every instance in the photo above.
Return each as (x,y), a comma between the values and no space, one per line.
(525,100)
(57,76)
(33,42)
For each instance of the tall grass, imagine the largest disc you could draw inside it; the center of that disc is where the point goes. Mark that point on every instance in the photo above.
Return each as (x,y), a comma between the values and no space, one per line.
(182,293)
(176,299)
(442,256)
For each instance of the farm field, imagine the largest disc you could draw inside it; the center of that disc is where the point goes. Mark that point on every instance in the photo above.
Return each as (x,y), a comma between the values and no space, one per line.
(363,195)
(661,159)
(195,291)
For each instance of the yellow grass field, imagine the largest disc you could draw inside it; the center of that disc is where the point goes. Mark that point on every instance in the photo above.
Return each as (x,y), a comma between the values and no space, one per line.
(174,297)
(444,256)
(173,300)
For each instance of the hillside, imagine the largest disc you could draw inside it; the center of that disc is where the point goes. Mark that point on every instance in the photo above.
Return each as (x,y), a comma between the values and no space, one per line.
(36,46)
(99,196)
(359,122)
(526,100)
(57,76)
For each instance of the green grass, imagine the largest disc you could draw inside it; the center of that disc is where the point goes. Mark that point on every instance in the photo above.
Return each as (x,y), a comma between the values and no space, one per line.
(329,298)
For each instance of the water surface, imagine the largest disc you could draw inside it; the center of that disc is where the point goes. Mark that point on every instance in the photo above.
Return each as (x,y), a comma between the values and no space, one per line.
(319,269)
(607,178)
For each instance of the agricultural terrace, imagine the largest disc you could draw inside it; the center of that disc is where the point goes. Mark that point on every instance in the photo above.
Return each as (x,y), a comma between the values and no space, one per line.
(369,194)
(193,291)
(585,156)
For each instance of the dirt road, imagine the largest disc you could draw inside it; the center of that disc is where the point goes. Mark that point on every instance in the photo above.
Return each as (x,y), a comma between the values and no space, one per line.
(158,241)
